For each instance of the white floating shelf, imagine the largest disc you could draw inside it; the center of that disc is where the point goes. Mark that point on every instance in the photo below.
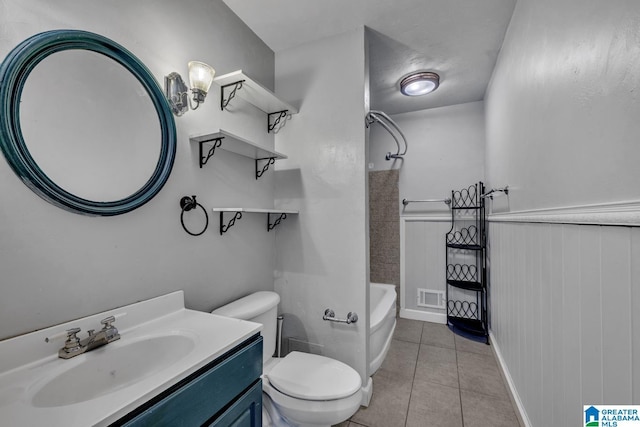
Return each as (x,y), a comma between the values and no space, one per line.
(237,145)
(256,94)
(224,227)
(250,210)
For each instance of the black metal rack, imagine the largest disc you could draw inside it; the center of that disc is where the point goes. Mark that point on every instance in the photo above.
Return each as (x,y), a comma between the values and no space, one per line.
(466,259)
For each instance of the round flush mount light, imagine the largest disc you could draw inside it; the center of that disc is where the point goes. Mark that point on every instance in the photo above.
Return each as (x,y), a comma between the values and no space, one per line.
(419,83)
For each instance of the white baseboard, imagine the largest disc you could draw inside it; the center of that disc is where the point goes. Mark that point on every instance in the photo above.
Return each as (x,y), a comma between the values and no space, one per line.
(522,413)
(424,316)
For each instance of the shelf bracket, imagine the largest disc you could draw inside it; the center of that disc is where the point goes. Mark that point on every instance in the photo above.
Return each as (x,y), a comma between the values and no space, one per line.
(224,228)
(260,172)
(281,115)
(217,142)
(236,87)
(271,226)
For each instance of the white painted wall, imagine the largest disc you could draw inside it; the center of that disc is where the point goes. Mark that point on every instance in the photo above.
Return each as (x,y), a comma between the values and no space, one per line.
(562,106)
(322,256)
(562,131)
(446,152)
(423,261)
(56,265)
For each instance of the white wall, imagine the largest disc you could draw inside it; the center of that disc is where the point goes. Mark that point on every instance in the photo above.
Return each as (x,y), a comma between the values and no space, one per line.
(322,256)
(562,131)
(423,264)
(446,152)
(57,265)
(562,107)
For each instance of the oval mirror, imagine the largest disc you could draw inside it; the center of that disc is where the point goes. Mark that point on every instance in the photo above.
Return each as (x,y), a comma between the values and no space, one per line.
(85,124)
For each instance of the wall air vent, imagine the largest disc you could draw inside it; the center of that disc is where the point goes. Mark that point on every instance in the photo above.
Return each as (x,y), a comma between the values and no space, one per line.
(430,298)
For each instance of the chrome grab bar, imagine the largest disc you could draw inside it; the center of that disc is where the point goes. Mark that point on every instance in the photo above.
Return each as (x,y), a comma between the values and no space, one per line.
(447,201)
(330,315)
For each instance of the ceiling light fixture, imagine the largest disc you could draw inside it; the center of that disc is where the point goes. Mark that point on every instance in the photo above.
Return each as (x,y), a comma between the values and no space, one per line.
(419,83)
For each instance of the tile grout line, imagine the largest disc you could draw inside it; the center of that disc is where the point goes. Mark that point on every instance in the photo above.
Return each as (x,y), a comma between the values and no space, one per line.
(482,393)
(455,345)
(413,380)
(437,343)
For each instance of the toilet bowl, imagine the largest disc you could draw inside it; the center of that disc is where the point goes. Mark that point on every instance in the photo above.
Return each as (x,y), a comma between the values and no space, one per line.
(300,389)
(312,390)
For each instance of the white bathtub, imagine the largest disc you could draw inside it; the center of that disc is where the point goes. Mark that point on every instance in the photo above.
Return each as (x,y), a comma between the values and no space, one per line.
(382,317)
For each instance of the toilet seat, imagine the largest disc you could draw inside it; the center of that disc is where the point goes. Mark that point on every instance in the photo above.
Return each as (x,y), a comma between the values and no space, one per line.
(313,377)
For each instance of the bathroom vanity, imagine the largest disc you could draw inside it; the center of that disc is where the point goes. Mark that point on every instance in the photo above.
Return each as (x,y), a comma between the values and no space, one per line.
(171,366)
(226,392)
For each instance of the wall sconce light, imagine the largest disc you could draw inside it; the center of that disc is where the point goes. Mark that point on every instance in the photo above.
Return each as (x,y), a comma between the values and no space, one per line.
(420,83)
(176,91)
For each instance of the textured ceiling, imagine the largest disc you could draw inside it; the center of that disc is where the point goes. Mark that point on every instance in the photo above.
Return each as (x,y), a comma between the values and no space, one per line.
(458,39)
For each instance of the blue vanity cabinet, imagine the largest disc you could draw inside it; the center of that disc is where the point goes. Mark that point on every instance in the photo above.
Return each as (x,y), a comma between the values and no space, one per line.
(246,412)
(225,393)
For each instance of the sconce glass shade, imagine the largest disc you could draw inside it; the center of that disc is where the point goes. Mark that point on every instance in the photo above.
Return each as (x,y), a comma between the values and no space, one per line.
(420,83)
(200,77)
(176,91)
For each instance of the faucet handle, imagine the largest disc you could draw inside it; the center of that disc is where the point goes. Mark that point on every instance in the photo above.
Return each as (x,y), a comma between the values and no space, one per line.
(109,320)
(72,332)
(63,334)
(110,331)
(72,346)
(72,341)
(106,322)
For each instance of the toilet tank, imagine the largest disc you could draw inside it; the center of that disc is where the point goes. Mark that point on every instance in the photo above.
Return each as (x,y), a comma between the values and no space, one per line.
(260,307)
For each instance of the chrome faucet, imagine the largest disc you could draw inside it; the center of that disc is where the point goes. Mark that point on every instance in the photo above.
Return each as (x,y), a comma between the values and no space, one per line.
(74,346)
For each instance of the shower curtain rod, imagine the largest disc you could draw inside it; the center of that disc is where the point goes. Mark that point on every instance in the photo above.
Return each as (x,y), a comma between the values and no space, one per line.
(387,123)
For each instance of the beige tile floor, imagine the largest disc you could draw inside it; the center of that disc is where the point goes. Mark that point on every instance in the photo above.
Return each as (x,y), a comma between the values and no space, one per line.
(432,377)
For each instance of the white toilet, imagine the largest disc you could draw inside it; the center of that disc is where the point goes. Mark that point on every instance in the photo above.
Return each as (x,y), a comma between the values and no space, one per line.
(299,389)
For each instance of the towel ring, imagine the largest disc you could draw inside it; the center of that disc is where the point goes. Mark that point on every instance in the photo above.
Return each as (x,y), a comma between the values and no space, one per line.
(188,203)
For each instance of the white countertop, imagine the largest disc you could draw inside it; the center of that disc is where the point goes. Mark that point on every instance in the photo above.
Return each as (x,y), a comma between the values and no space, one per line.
(28,363)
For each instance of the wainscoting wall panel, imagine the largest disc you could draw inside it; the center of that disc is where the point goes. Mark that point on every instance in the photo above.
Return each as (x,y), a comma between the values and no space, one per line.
(565,316)
(422,263)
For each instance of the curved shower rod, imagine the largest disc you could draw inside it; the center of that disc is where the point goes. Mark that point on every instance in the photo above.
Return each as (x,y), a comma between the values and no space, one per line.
(387,123)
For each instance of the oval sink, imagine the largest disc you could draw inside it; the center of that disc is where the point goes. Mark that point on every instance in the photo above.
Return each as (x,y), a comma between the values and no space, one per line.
(110,368)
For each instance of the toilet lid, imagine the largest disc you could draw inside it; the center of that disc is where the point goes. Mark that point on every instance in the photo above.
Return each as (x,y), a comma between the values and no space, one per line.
(312,377)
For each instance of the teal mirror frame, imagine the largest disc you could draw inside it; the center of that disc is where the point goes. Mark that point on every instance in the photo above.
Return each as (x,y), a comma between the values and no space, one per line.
(15,70)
